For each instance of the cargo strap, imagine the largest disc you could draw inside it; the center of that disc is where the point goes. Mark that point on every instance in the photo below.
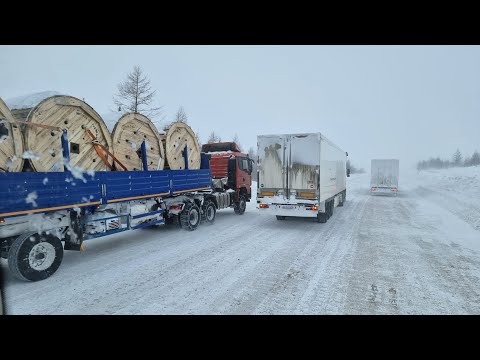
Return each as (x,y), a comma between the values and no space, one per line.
(99,147)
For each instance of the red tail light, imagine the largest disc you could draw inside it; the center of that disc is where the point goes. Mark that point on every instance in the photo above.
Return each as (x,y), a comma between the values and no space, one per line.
(264,206)
(175,207)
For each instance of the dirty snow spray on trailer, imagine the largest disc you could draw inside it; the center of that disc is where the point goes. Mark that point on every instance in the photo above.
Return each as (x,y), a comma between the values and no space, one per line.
(300,175)
(384,176)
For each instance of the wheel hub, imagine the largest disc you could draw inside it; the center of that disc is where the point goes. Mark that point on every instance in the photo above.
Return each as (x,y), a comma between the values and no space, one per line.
(41,256)
(210,213)
(193,217)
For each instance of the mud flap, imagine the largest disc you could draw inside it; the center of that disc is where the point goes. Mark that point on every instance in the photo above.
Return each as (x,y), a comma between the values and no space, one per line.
(74,235)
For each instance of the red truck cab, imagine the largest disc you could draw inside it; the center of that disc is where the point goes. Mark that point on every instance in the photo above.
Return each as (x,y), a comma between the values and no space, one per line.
(227,162)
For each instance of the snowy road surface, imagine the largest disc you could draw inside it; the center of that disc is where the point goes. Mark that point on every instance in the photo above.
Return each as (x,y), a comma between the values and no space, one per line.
(417,253)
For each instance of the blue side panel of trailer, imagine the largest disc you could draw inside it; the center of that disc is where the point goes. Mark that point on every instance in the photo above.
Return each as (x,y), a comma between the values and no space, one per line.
(30,192)
(22,193)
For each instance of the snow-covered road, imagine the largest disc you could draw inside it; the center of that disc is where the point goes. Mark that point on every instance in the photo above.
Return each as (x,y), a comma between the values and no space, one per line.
(417,253)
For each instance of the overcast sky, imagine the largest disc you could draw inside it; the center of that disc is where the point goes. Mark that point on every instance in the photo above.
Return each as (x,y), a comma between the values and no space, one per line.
(405,102)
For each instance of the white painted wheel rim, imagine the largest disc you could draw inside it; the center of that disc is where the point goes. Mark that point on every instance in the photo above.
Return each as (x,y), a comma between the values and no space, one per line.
(193,217)
(42,256)
(210,213)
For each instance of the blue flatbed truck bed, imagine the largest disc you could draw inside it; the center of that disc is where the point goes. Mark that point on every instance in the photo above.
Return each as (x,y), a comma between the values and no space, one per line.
(40,210)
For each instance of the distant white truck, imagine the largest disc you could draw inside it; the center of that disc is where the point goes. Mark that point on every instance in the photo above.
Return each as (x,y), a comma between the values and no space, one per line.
(384,176)
(300,175)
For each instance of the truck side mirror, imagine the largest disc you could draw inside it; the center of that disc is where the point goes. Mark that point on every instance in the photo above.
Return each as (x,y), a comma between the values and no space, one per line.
(348,172)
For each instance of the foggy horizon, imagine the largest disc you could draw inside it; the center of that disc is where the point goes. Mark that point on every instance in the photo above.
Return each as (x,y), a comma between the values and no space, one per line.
(404,102)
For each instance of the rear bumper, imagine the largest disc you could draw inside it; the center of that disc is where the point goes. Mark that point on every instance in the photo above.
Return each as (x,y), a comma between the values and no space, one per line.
(383,190)
(293,210)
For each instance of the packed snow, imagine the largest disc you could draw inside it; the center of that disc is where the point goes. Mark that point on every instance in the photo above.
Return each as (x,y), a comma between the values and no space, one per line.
(29,100)
(416,253)
(31,155)
(31,197)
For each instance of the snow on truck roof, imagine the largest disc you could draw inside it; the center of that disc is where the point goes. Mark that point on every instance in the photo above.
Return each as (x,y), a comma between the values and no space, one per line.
(220,153)
(323,137)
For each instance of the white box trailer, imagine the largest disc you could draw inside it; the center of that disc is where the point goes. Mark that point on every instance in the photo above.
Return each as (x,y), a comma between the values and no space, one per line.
(384,176)
(300,175)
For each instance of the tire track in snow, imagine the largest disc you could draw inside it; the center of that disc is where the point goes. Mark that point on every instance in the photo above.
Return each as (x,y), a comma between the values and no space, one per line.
(405,267)
(127,271)
(286,268)
(327,288)
(373,277)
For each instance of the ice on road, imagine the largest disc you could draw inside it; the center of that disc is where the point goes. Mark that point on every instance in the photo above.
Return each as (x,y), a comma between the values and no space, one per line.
(417,253)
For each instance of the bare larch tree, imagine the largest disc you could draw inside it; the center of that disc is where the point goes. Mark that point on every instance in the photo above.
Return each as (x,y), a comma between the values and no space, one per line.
(237,141)
(213,138)
(136,95)
(181,115)
(197,135)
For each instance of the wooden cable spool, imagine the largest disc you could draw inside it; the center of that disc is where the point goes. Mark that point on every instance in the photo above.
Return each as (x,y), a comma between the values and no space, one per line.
(11,141)
(64,112)
(129,133)
(177,136)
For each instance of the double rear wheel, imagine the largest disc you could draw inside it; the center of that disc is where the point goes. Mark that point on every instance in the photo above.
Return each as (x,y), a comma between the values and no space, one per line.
(323,217)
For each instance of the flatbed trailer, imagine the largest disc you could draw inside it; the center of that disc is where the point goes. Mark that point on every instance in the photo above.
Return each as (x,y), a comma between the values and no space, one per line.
(43,213)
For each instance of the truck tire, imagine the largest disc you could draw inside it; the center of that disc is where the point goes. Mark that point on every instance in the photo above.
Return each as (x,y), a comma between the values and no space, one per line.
(34,257)
(209,212)
(241,206)
(279,217)
(322,218)
(190,217)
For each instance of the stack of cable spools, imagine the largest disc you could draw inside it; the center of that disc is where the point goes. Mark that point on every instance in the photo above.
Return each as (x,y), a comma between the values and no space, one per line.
(31,130)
